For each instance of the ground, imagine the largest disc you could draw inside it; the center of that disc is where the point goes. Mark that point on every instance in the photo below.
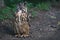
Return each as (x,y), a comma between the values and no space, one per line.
(44,26)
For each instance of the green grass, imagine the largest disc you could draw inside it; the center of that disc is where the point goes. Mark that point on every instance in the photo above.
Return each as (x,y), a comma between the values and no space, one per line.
(43,6)
(33,13)
(29,5)
(40,6)
(7,12)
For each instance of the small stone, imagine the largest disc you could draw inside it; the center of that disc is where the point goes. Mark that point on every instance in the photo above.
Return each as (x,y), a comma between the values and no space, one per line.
(53,26)
(58,23)
(53,17)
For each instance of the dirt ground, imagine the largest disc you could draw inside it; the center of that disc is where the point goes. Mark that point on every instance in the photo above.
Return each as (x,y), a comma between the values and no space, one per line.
(44,26)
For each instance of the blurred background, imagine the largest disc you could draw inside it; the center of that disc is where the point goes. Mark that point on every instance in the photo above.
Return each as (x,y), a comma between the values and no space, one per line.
(45,21)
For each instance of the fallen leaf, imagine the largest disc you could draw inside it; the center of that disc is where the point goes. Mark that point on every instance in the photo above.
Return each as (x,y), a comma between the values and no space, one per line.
(54,17)
(58,23)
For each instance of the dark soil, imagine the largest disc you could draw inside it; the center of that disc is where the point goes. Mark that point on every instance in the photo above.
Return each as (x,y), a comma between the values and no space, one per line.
(44,26)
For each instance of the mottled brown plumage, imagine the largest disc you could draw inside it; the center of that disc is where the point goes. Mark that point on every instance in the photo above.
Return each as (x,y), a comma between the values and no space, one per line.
(21,23)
